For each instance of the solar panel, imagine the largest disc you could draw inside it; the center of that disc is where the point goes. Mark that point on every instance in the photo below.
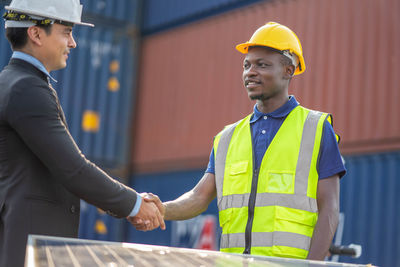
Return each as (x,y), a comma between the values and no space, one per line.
(58,251)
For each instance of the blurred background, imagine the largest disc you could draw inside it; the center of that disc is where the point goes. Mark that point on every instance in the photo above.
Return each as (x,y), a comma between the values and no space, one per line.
(149,87)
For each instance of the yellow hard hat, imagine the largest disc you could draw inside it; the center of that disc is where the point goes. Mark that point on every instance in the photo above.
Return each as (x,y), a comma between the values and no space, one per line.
(278,37)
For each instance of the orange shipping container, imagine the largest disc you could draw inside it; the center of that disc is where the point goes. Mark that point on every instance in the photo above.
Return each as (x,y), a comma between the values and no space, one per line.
(190,78)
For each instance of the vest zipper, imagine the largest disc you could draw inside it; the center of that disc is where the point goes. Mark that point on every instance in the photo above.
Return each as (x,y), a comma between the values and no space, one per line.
(251,206)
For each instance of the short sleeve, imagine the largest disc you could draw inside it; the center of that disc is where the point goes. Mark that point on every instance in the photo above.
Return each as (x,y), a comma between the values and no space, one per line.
(330,160)
(211,163)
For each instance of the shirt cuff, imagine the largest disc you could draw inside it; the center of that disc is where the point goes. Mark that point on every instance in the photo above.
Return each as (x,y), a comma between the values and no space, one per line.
(136,208)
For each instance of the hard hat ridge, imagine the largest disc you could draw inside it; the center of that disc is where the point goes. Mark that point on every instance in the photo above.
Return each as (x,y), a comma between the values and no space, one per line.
(278,37)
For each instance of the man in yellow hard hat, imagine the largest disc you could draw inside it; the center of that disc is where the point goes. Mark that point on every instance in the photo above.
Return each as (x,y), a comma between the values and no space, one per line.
(43,174)
(276,172)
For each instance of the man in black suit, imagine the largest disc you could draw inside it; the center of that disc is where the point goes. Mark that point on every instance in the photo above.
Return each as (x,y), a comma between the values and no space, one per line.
(43,174)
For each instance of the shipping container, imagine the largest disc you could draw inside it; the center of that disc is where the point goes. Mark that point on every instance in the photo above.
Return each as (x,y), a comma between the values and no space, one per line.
(120,12)
(160,15)
(95,91)
(190,78)
(4,45)
(368,203)
(96,224)
(169,186)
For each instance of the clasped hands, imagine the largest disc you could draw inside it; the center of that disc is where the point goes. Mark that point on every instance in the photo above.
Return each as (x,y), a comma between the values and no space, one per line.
(150,215)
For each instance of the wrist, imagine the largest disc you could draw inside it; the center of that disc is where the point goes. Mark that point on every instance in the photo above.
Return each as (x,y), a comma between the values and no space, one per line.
(136,207)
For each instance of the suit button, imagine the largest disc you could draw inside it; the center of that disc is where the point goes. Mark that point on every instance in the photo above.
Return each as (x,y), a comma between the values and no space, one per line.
(73,209)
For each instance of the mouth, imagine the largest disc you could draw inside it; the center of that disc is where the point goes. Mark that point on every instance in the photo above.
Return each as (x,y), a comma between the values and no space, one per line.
(249,83)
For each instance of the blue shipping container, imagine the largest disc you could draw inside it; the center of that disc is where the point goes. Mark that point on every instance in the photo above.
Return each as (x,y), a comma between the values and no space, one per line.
(95,91)
(96,224)
(4,45)
(164,14)
(369,200)
(167,186)
(121,10)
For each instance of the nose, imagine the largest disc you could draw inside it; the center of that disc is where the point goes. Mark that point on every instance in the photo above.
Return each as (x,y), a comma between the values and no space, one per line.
(71,42)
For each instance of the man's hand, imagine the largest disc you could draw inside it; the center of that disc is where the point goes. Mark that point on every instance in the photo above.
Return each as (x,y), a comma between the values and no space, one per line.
(149,216)
(149,198)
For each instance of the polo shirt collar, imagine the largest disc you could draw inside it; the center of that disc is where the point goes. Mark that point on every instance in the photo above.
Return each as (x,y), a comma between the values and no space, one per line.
(280,112)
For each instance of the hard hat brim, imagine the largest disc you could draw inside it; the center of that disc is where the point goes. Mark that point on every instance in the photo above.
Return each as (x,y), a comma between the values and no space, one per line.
(244,49)
(30,12)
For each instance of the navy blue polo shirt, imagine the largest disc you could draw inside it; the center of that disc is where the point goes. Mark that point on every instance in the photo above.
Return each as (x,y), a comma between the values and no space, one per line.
(264,126)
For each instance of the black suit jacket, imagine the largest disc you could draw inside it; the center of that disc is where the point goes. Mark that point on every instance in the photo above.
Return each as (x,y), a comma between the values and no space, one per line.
(43,174)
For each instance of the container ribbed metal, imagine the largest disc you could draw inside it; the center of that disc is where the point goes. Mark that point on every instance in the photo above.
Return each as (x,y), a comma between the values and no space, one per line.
(190,78)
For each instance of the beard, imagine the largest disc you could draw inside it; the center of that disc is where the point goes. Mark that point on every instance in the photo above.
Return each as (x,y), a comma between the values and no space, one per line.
(260,97)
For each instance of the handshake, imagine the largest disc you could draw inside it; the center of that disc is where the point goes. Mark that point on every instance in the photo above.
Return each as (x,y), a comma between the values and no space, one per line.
(150,215)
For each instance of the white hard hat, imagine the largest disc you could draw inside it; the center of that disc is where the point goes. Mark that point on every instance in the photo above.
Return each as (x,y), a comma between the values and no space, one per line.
(69,11)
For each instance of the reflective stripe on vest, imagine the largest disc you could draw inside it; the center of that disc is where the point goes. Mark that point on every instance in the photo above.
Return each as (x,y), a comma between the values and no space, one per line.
(297,200)
(265,239)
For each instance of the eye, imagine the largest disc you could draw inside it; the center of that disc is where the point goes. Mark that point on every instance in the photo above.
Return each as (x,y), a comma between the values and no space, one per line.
(263,65)
(246,65)
(68,32)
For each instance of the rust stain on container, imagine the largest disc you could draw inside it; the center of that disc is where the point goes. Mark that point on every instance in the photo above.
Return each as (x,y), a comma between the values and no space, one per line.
(190,78)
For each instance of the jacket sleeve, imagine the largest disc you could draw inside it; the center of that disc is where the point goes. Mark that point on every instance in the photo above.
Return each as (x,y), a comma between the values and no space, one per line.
(33,112)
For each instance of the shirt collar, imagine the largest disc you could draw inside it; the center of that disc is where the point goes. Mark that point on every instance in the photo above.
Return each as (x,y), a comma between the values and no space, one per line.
(34,61)
(280,112)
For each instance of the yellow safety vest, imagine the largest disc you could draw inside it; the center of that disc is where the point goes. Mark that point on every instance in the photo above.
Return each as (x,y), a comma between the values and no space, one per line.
(271,211)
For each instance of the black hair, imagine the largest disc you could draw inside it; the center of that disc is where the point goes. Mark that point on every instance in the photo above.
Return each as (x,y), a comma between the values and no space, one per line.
(18,37)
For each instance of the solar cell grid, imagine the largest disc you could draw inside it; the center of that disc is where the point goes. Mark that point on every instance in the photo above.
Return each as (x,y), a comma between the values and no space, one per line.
(56,251)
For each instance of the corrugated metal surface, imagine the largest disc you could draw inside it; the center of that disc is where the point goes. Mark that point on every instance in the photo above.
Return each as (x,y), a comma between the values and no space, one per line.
(190,77)
(161,14)
(96,224)
(84,86)
(121,10)
(369,201)
(4,45)
(99,81)
(167,186)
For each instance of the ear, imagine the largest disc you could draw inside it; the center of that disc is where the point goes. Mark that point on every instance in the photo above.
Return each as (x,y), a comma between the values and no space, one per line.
(35,35)
(289,71)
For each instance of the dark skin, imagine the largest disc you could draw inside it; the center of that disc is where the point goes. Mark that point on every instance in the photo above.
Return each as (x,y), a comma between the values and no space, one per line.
(266,80)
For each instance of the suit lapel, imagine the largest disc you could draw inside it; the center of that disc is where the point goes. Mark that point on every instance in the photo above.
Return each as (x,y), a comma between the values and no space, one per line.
(60,110)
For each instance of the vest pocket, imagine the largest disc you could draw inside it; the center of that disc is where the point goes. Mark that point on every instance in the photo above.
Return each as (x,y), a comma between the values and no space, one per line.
(280,182)
(294,221)
(236,180)
(225,217)
(299,226)
(239,167)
